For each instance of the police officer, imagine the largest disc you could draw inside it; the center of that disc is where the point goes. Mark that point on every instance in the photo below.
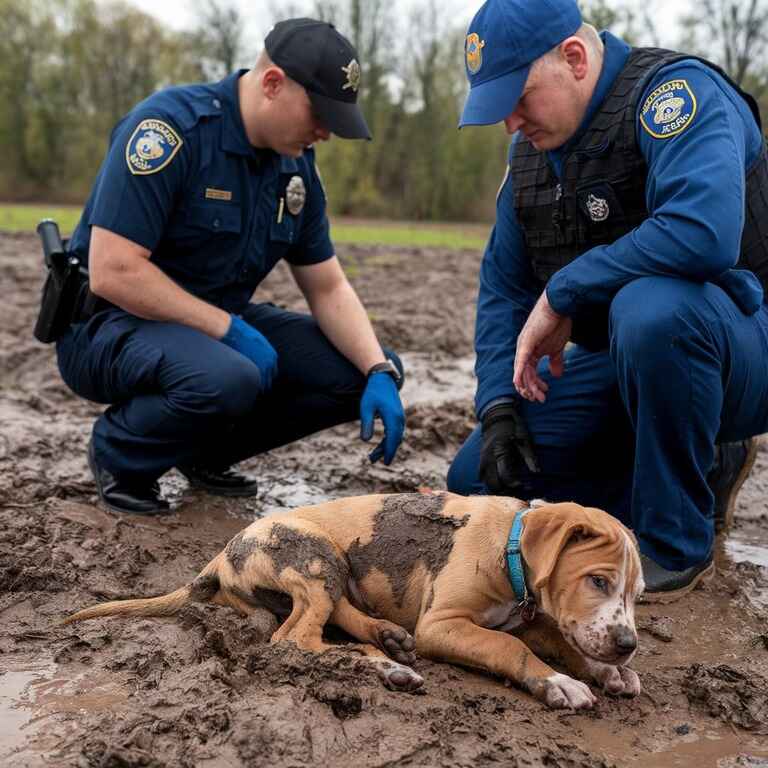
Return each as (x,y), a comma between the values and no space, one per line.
(631,222)
(203,190)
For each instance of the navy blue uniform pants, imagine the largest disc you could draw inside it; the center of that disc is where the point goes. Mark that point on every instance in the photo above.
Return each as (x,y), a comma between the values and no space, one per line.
(177,396)
(632,429)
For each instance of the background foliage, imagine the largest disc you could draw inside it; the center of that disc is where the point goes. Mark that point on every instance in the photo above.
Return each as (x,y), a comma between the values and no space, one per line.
(69,69)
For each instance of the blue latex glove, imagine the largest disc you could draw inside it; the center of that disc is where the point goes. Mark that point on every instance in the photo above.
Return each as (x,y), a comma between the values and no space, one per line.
(382,399)
(246,340)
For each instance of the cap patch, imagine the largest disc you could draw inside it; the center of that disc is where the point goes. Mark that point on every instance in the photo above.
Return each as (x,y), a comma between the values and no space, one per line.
(669,109)
(151,147)
(474,49)
(352,71)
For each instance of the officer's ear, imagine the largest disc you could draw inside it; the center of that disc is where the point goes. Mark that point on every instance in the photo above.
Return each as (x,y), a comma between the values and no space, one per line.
(575,54)
(273,81)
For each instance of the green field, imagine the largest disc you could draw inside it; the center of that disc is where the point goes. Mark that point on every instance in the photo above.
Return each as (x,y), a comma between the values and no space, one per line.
(24,218)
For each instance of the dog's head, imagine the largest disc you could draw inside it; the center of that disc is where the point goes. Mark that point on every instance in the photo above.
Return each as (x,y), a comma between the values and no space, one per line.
(585,571)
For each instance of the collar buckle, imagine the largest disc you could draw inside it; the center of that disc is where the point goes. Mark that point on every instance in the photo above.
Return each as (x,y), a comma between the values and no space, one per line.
(527,609)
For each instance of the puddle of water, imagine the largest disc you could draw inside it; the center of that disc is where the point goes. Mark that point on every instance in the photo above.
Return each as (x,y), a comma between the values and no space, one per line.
(31,698)
(297,493)
(747,549)
(15,708)
(708,748)
(435,382)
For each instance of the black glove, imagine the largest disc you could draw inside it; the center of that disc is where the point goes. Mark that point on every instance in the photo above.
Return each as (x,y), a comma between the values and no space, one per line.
(507,449)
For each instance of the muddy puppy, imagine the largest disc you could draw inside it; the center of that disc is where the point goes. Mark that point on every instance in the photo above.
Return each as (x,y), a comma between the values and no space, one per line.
(485,582)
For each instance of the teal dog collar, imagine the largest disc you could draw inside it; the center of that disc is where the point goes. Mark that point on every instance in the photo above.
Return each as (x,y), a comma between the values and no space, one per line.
(526,604)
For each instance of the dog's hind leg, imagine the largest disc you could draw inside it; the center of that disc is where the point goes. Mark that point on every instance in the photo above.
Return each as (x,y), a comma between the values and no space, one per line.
(312,609)
(312,606)
(385,635)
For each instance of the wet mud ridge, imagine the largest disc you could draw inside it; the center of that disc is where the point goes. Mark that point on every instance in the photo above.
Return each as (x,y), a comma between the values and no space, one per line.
(204,688)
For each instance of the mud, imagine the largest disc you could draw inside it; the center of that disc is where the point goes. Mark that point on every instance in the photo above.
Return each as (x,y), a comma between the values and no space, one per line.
(410,531)
(204,688)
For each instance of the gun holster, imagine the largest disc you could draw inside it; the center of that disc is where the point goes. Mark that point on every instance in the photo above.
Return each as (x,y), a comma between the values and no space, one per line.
(66,298)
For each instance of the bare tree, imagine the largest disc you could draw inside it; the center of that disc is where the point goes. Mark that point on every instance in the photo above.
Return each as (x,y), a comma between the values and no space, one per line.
(220,36)
(739,30)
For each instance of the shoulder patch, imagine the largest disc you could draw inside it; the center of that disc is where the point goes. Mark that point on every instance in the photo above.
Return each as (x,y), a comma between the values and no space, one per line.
(669,109)
(151,147)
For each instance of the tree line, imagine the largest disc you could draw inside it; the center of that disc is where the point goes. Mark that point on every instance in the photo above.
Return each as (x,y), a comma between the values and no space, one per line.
(69,69)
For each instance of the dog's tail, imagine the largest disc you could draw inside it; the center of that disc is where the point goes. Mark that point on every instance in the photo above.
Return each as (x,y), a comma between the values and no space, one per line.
(202,590)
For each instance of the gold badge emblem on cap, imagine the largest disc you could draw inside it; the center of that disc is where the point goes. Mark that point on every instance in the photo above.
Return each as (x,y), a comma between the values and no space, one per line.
(352,71)
(474,49)
(295,195)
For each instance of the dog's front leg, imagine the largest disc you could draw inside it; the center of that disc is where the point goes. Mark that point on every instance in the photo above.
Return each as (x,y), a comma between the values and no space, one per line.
(460,641)
(549,642)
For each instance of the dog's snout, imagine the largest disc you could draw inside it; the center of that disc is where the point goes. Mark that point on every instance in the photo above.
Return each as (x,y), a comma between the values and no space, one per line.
(625,640)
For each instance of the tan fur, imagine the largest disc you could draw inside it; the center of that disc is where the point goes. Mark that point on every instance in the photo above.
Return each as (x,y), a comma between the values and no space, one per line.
(452,604)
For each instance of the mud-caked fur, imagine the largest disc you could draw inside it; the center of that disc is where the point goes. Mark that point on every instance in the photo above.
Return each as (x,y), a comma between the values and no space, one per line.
(427,574)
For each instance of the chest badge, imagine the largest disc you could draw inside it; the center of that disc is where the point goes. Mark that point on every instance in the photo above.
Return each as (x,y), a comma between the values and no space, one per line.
(597,207)
(295,195)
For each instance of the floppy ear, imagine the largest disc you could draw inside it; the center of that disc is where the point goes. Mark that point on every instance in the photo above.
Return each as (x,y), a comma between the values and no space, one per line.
(546,531)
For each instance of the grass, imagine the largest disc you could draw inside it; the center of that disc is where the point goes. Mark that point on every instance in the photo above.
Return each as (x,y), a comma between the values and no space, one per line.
(24,218)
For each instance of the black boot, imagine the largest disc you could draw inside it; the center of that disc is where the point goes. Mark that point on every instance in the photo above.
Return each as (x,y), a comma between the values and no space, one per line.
(733,463)
(219,482)
(132,496)
(663,586)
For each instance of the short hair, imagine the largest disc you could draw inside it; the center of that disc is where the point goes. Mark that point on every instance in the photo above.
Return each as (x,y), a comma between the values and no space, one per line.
(587,34)
(263,62)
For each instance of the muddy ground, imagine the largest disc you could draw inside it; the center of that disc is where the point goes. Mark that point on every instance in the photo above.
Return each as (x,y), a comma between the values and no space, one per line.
(206,689)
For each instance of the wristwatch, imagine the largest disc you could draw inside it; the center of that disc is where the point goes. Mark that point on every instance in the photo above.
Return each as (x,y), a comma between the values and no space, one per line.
(386,367)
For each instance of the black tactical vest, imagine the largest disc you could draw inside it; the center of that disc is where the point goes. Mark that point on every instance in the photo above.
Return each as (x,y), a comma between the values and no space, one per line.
(602,195)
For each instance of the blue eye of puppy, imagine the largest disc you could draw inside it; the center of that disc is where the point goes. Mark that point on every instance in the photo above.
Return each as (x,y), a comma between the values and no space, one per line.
(600,582)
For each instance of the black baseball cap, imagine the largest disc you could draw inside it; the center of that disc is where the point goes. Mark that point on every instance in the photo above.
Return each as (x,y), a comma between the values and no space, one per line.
(325,63)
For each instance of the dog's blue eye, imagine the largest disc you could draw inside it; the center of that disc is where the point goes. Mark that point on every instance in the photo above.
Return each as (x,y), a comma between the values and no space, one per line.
(600,583)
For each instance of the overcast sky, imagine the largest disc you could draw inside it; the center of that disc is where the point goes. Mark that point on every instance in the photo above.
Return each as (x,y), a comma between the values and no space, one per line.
(180,14)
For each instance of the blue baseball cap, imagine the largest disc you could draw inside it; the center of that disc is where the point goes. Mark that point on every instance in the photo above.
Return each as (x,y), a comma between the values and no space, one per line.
(503,40)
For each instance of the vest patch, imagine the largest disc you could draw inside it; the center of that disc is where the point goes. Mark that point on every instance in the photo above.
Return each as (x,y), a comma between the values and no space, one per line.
(669,109)
(151,147)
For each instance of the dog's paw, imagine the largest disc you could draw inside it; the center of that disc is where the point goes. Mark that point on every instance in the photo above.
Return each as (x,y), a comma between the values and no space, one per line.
(632,685)
(562,692)
(398,677)
(616,681)
(397,643)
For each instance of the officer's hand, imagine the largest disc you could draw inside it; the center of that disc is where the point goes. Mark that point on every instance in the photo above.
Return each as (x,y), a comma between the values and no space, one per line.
(246,340)
(507,449)
(545,333)
(382,399)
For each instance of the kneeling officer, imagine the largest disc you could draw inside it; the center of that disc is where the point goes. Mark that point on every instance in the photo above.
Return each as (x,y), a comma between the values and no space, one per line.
(203,190)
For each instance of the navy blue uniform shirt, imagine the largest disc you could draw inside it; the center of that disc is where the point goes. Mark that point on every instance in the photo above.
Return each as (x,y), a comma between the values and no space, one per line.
(695,199)
(181,179)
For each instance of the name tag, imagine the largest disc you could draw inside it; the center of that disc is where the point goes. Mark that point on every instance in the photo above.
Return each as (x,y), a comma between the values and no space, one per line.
(217,194)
